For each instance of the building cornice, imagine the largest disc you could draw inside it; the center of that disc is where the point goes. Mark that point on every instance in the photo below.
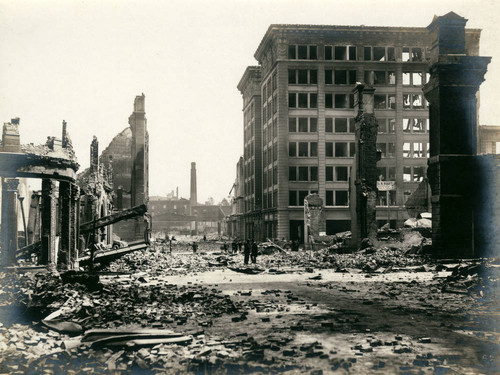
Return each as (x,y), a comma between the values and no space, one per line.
(251,73)
(284,30)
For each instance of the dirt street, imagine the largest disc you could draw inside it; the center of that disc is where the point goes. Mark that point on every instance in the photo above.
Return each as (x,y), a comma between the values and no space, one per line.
(289,317)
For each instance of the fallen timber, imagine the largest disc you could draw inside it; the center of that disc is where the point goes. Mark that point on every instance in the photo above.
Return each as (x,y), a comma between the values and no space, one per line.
(112,254)
(113,218)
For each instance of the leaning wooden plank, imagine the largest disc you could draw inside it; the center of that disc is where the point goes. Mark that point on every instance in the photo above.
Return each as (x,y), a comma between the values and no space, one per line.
(113,218)
(95,334)
(120,341)
(114,253)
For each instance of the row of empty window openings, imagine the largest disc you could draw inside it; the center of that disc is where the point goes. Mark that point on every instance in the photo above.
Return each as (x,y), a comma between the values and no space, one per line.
(303,173)
(381,101)
(348,125)
(310,173)
(332,197)
(349,53)
(415,150)
(413,173)
(349,77)
(310,149)
(310,125)
(270,199)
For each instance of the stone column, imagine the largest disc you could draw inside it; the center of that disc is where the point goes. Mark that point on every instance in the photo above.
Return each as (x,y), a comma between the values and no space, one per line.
(49,222)
(451,92)
(34,218)
(364,170)
(63,259)
(75,224)
(9,220)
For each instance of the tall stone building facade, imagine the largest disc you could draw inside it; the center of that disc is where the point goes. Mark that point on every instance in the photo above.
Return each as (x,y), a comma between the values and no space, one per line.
(253,221)
(299,102)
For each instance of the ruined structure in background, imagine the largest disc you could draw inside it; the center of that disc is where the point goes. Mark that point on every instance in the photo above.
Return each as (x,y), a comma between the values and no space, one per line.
(314,219)
(139,186)
(364,171)
(54,211)
(465,207)
(125,163)
(118,155)
(97,187)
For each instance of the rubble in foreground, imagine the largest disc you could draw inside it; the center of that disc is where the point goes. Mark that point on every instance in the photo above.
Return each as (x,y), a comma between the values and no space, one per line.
(372,311)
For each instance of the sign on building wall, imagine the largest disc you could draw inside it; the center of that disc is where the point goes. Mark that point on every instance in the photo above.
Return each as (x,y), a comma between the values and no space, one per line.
(386,185)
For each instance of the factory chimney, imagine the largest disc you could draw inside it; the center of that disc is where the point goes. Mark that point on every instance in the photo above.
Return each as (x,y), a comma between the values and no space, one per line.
(193,197)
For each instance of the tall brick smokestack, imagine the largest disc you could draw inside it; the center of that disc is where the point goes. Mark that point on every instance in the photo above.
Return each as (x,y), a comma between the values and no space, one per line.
(193,197)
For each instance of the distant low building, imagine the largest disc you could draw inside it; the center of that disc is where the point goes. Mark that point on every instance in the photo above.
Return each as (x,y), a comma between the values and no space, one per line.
(489,139)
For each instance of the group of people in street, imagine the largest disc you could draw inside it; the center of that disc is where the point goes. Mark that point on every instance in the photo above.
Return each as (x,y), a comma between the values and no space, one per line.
(250,249)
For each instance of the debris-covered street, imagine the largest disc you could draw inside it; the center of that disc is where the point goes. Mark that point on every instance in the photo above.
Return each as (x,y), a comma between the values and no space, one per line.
(376,310)
(349,224)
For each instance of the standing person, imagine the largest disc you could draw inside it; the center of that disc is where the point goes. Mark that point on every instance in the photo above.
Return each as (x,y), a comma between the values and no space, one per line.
(171,239)
(234,247)
(195,247)
(246,251)
(255,251)
(239,246)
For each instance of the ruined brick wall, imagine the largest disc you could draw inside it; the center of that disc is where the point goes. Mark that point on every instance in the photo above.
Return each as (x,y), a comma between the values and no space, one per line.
(119,150)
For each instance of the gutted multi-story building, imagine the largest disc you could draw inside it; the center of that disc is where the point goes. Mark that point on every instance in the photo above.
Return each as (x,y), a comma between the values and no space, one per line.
(250,88)
(299,121)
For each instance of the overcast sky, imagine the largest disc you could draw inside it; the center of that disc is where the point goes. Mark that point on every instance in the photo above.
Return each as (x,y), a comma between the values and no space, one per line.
(85,61)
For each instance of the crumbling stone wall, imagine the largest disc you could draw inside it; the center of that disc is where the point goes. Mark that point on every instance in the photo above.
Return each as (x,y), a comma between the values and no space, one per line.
(118,155)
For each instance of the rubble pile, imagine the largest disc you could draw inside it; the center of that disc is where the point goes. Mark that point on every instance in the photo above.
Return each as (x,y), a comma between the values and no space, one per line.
(11,288)
(158,261)
(161,262)
(371,259)
(128,301)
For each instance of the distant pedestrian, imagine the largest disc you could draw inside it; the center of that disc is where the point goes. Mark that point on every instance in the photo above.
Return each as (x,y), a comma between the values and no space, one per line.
(239,246)
(234,247)
(171,239)
(204,238)
(246,251)
(195,247)
(255,251)
(225,247)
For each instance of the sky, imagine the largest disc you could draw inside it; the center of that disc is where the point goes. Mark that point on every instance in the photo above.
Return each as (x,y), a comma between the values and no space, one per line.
(85,61)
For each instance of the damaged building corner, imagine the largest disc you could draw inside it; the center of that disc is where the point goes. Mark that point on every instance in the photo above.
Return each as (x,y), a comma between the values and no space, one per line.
(50,230)
(53,211)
